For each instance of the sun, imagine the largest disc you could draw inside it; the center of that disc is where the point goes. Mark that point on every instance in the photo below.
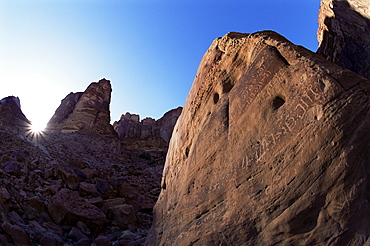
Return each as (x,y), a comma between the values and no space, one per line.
(36,132)
(37,127)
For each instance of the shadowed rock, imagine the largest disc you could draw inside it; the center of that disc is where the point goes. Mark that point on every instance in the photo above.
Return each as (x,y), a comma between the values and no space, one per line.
(344,34)
(130,126)
(271,148)
(67,207)
(11,114)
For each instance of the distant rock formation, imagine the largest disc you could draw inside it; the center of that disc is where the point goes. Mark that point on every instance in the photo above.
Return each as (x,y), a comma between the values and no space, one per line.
(344,34)
(84,111)
(130,126)
(11,114)
(272,148)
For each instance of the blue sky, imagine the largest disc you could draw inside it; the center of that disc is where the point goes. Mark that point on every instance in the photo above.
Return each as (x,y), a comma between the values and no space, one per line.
(150,50)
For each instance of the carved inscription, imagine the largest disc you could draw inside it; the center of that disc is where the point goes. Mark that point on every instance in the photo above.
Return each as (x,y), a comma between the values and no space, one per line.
(260,73)
(293,123)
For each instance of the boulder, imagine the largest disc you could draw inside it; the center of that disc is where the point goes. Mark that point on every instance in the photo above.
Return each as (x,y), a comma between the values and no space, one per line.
(49,240)
(37,204)
(271,148)
(67,208)
(102,240)
(72,176)
(112,202)
(123,216)
(104,188)
(87,189)
(13,168)
(344,34)
(77,235)
(83,228)
(17,233)
(4,196)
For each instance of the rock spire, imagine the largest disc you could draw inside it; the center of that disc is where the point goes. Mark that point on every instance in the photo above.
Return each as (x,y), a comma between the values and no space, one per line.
(87,110)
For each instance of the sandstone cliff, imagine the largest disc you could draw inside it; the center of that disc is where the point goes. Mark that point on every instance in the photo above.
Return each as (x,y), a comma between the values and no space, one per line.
(130,126)
(344,34)
(272,148)
(87,111)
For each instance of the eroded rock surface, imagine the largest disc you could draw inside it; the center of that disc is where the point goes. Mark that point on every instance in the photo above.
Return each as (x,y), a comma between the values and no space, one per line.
(84,111)
(272,148)
(344,34)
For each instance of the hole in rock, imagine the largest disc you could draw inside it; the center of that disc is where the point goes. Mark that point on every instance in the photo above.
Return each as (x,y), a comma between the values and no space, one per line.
(227,84)
(226,87)
(277,102)
(187,152)
(216,97)
(322,85)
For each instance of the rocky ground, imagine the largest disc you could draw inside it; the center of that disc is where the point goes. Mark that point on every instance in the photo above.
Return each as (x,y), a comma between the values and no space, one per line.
(77,188)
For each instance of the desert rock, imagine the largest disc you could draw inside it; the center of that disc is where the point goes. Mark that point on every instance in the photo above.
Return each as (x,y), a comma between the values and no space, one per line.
(271,148)
(18,234)
(85,111)
(11,114)
(344,34)
(130,126)
(67,207)
(55,181)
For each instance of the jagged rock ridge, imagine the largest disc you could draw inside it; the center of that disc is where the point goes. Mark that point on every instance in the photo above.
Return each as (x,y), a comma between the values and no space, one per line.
(344,34)
(271,148)
(130,126)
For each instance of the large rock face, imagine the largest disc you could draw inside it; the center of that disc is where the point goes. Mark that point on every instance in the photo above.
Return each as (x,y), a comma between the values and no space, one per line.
(130,126)
(11,114)
(272,147)
(84,111)
(344,34)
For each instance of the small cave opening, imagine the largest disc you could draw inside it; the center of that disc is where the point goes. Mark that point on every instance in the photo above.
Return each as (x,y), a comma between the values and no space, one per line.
(277,102)
(216,97)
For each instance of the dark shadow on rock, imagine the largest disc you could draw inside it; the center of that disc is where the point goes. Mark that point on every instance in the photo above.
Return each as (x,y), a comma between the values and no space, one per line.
(345,37)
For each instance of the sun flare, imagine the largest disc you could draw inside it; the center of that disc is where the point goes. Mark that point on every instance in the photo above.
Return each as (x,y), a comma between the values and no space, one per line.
(37,127)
